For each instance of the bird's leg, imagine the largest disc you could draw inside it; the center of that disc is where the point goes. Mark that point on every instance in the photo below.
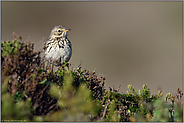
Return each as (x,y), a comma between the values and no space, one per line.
(51,66)
(52,69)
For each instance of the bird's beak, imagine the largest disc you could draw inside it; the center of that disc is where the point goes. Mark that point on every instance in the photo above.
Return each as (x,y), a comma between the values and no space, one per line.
(66,30)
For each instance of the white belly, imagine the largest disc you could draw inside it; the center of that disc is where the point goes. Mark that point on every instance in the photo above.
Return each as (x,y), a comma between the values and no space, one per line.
(57,54)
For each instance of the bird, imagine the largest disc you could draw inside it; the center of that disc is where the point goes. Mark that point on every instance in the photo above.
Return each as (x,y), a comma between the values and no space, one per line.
(58,47)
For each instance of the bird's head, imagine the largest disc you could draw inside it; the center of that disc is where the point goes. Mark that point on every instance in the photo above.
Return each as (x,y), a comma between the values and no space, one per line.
(59,32)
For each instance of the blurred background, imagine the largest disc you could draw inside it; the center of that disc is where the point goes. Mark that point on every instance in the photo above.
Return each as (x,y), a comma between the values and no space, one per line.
(129,42)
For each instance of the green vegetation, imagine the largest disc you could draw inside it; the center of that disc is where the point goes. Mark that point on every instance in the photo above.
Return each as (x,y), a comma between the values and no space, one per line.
(31,92)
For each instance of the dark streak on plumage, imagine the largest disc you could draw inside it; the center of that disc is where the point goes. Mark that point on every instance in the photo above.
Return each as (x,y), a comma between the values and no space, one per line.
(58,41)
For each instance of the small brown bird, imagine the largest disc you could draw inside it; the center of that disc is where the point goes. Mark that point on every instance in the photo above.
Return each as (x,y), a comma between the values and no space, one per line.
(58,48)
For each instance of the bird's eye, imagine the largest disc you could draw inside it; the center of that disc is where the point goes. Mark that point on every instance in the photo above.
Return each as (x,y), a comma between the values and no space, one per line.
(59,30)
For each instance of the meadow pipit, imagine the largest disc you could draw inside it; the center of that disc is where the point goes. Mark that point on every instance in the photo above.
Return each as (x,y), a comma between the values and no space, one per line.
(58,48)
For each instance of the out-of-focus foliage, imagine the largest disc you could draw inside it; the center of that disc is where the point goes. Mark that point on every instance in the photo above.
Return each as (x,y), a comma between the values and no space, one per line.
(31,91)
(12,111)
(75,105)
(159,110)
